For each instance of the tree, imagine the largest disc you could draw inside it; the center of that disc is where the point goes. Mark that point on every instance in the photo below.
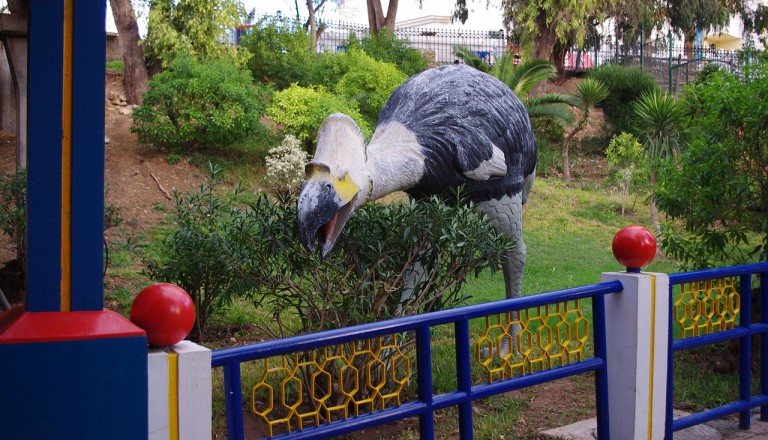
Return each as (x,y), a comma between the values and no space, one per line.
(197,27)
(660,129)
(376,18)
(544,23)
(719,191)
(135,77)
(689,16)
(588,94)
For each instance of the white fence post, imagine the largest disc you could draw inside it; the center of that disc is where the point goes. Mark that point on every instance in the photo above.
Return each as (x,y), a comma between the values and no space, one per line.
(180,395)
(637,326)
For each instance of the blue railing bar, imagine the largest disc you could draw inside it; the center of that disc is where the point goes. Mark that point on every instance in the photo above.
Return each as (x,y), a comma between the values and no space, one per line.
(515,383)
(424,381)
(758,328)
(352,424)
(698,341)
(464,378)
(233,398)
(408,323)
(708,415)
(720,272)
(719,412)
(745,349)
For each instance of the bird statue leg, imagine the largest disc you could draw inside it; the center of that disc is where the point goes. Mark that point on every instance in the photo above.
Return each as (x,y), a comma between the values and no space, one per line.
(506,215)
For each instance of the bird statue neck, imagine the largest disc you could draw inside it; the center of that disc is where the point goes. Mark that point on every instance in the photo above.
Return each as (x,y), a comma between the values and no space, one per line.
(394,160)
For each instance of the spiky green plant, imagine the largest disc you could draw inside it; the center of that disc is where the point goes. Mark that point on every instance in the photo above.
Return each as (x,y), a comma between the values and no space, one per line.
(659,121)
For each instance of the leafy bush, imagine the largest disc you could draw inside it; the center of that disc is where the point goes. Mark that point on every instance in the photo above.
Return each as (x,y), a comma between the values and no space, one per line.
(387,47)
(195,255)
(625,85)
(209,103)
(391,260)
(366,277)
(718,188)
(301,110)
(282,52)
(359,77)
(13,211)
(548,133)
(626,156)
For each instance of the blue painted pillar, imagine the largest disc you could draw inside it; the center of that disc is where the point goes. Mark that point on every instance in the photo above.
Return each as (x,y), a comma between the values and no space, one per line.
(70,369)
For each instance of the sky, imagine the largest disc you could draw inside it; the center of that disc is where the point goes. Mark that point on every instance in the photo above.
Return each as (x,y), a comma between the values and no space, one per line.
(480,16)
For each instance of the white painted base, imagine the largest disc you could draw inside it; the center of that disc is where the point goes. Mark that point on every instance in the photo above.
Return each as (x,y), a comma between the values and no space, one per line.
(193,399)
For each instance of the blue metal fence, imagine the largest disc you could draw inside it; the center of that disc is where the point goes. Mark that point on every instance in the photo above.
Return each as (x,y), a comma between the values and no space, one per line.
(717,307)
(426,403)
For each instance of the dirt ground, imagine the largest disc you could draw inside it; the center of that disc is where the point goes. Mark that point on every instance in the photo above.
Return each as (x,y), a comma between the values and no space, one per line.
(138,182)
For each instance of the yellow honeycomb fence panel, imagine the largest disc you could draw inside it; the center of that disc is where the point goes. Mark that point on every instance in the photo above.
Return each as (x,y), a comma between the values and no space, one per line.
(706,307)
(518,343)
(299,390)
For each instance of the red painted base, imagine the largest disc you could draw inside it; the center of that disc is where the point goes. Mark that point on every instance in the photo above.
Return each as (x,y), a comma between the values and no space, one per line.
(72,375)
(18,326)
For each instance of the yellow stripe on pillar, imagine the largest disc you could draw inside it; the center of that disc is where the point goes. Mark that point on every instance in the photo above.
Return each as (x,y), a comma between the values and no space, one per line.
(173,395)
(651,357)
(66,156)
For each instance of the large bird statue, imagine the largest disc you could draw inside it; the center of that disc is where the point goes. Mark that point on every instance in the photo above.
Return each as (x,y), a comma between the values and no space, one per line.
(443,128)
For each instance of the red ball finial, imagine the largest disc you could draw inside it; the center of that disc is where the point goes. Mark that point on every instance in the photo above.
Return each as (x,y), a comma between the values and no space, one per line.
(165,311)
(634,247)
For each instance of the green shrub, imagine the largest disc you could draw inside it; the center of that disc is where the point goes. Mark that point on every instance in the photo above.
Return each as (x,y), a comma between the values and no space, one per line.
(716,190)
(549,139)
(282,52)
(387,47)
(359,77)
(209,103)
(223,248)
(301,110)
(195,255)
(116,65)
(629,163)
(625,85)
(13,211)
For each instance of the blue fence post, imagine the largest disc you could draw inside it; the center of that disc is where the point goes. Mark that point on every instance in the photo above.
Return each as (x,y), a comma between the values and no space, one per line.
(464,378)
(745,349)
(764,344)
(424,377)
(636,327)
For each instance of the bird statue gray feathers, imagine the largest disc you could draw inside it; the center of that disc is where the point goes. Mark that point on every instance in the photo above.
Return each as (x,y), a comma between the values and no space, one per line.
(446,127)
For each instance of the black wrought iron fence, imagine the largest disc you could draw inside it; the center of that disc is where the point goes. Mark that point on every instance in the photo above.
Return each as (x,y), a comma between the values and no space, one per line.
(673,63)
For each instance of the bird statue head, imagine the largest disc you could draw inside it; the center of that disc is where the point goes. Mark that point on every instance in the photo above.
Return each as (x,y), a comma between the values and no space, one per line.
(335,183)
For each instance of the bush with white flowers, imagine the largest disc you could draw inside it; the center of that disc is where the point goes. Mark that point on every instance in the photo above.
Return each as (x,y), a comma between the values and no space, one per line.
(285,164)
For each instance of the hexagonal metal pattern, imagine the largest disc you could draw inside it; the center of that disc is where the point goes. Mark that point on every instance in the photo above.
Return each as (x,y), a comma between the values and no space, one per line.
(706,307)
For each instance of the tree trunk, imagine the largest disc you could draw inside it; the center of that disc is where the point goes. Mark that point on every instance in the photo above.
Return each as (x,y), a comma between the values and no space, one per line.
(543,48)
(312,23)
(135,77)
(654,208)
(376,18)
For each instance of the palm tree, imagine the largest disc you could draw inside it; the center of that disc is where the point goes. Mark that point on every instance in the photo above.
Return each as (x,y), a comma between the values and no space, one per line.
(659,125)
(588,94)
